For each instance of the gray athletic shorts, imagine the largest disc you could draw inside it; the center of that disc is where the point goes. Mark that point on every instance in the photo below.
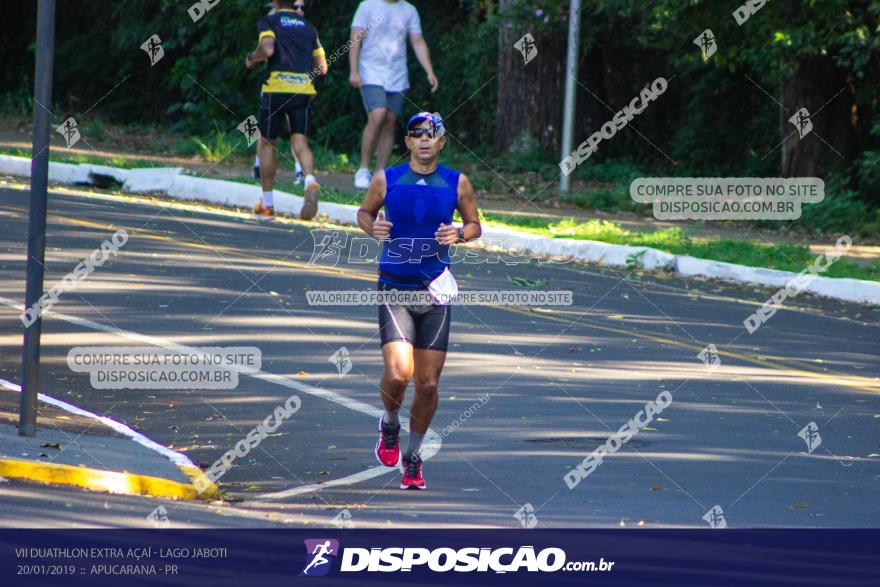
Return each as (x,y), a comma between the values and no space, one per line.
(376,97)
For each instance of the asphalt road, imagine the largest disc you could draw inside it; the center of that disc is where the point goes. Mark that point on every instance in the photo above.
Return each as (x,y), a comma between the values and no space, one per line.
(554,382)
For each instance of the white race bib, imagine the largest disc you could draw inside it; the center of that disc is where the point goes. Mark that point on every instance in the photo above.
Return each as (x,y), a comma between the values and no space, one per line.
(444,288)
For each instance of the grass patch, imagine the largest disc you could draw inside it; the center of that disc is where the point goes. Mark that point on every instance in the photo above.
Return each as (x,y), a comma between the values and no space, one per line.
(217,146)
(784,256)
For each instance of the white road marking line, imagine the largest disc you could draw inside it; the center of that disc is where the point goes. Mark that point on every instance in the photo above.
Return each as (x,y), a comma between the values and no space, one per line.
(432,439)
(175,457)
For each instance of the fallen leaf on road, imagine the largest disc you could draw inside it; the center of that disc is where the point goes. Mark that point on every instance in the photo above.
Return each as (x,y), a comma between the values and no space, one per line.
(799,505)
(55,445)
(304,373)
(656,488)
(523,282)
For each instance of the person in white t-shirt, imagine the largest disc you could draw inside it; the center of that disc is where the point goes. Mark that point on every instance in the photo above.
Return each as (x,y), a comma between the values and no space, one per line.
(377,58)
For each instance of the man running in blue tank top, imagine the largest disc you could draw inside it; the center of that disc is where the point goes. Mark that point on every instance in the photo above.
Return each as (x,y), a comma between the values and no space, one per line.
(419,198)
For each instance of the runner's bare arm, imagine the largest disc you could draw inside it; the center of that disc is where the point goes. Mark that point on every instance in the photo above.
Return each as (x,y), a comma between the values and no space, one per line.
(373,202)
(354,56)
(448,234)
(319,60)
(423,54)
(467,209)
(264,51)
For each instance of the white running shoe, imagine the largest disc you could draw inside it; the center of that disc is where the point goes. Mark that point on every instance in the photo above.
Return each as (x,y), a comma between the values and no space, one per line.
(362,179)
(310,198)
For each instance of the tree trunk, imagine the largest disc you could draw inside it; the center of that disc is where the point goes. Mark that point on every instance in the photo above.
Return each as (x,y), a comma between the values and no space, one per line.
(530,95)
(830,145)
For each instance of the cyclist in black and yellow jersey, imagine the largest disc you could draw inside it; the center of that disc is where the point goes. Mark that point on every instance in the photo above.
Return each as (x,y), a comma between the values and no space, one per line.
(290,45)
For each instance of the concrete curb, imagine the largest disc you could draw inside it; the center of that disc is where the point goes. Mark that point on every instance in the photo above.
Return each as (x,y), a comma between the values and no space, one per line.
(113,481)
(123,483)
(174,182)
(850,290)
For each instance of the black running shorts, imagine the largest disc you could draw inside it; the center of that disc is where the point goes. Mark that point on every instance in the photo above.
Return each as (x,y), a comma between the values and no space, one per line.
(423,326)
(276,108)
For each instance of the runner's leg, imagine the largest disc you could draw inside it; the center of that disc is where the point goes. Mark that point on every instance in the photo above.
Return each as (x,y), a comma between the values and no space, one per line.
(428,364)
(386,140)
(375,124)
(268,164)
(398,357)
(303,152)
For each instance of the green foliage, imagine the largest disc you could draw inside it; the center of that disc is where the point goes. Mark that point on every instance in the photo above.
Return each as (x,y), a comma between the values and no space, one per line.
(219,145)
(95,130)
(718,118)
(840,211)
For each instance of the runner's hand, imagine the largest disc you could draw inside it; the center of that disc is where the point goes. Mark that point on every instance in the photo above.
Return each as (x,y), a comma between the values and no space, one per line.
(381,227)
(355,79)
(435,83)
(446,234)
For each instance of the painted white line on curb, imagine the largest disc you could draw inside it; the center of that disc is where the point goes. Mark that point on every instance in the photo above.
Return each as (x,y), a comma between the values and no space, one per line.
(433,442)
(173,456)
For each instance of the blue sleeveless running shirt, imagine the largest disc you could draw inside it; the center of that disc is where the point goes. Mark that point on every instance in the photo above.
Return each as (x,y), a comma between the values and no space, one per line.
(416,205)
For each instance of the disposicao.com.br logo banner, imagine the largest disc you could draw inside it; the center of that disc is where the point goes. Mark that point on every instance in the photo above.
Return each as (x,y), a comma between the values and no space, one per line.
(321,554)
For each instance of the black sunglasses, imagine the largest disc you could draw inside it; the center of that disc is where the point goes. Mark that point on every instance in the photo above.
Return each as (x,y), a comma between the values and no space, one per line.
(301,7)
(418,133)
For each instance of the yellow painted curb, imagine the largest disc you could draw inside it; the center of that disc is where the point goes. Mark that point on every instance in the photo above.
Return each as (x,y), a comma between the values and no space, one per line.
(198,478)
(98,480)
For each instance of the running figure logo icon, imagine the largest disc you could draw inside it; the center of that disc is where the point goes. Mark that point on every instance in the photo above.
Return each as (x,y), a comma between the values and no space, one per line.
(526,516)
(810,435)
(801,121)
(329,248)
(710,358)
(706,43)
(715,518)
(159,517)
(250,129)
(526,45)
(153,49)
(70,131)
(320,555)
(342,360)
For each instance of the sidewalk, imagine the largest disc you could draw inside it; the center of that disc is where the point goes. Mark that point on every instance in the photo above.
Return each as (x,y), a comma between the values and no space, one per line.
(77,450)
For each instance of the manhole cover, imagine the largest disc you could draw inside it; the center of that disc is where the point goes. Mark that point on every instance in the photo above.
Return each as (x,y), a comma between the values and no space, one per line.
(585,442)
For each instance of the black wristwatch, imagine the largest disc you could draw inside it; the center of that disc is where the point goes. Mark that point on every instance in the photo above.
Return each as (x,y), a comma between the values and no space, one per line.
(460,231)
